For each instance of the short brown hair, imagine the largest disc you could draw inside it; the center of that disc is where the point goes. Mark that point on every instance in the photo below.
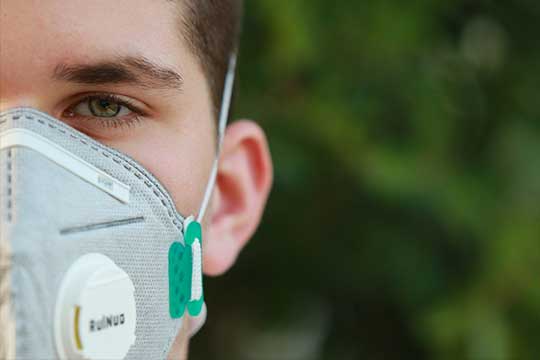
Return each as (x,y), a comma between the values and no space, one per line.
(212,30)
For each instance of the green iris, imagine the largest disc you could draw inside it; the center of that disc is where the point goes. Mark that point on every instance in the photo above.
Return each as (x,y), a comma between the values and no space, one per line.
(104,107)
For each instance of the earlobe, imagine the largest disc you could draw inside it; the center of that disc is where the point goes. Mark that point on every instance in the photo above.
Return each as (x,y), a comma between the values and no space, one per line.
(243,183)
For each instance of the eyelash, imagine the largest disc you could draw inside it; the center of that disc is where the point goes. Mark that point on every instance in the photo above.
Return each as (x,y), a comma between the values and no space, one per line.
(112,122)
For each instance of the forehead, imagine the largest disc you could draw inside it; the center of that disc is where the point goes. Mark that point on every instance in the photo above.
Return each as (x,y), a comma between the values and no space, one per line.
(43,33)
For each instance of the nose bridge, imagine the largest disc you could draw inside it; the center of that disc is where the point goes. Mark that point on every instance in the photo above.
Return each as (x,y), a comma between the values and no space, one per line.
(21,56)
(20,82)
(19,85)
(23,101)
(22,77)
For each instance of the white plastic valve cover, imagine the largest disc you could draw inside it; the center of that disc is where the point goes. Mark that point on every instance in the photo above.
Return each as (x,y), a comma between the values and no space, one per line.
(95,314)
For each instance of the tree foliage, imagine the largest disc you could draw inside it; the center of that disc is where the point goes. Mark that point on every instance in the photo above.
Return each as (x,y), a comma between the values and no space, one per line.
(404,220)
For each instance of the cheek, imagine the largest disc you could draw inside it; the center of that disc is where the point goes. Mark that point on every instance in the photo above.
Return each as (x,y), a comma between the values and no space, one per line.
(181,162)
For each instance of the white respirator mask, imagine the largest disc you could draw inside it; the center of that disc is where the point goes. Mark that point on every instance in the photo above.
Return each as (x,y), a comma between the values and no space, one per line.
(97,261)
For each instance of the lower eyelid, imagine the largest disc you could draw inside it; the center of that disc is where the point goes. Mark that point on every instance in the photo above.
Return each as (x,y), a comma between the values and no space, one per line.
(127,120)
(104,128)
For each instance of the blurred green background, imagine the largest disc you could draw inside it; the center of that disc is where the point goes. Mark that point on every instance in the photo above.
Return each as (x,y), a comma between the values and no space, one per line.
(404,220)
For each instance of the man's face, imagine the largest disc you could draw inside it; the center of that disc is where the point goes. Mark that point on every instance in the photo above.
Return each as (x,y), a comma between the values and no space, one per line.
(81,60)
(121,72)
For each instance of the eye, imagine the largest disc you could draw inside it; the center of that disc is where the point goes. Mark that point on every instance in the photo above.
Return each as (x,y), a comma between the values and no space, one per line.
(101,107)
(104,115)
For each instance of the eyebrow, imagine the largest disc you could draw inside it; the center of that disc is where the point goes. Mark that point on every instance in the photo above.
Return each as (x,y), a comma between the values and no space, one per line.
(138,71)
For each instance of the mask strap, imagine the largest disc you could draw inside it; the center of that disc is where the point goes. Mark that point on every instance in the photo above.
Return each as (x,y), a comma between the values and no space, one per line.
(223,117)
(193,231)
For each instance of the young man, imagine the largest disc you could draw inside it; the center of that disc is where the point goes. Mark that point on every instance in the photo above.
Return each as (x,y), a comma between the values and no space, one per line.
(145,78)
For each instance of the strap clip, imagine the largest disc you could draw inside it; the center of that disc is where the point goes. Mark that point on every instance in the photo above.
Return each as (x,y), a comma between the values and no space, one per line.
(185,272)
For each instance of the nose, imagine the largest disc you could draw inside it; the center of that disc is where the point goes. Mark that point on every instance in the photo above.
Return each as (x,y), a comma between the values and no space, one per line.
(22,83)
(13,102)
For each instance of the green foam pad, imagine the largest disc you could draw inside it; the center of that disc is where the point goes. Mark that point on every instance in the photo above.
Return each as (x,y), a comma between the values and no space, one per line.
(179,279)
(193,232)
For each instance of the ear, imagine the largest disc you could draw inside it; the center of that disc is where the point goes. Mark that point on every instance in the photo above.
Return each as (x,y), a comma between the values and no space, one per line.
(243,183)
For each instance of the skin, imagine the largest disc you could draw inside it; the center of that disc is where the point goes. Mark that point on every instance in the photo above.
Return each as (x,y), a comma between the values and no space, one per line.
(174,138)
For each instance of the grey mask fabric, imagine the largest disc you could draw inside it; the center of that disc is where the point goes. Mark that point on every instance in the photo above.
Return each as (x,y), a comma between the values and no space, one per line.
(51,217)
(101,265)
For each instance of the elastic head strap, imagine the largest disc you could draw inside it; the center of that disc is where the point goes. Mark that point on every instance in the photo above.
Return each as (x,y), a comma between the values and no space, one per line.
(223,117)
